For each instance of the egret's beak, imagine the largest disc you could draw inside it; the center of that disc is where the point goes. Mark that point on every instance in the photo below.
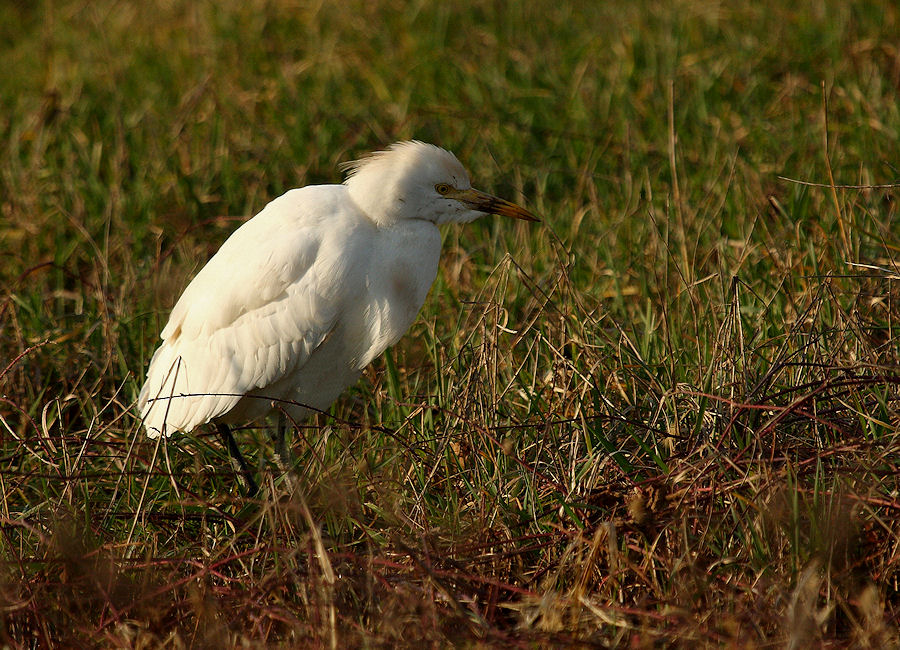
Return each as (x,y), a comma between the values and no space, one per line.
(491,204)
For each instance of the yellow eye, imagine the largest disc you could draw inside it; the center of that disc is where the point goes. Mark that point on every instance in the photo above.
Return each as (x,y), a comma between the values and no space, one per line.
(442,188)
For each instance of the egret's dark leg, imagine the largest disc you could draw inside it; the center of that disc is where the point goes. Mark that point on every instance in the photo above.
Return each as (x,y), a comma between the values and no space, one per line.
(281,447)
(236,457)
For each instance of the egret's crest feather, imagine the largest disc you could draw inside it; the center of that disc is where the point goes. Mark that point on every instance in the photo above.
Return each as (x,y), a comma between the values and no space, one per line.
(376,158)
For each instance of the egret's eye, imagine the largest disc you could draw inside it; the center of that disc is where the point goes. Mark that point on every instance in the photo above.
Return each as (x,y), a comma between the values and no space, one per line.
(442,188)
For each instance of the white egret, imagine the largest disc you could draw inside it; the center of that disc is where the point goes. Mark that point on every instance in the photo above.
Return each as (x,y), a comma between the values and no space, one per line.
(303,296)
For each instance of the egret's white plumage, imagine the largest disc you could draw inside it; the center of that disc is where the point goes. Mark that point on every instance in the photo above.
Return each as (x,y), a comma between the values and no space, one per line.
(304,295)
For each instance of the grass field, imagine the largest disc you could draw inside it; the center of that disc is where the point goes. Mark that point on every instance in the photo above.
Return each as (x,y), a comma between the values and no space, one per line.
(669,415)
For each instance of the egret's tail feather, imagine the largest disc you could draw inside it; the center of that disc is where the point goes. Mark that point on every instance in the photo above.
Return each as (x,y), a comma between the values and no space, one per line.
(169,401)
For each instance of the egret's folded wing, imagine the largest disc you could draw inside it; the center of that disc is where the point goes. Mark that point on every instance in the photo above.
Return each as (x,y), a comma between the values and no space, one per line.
(252,315)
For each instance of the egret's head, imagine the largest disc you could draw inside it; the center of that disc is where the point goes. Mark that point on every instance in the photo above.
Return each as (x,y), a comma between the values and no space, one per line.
(414,180)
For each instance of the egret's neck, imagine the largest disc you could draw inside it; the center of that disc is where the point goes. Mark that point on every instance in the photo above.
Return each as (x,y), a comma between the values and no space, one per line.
(380,200)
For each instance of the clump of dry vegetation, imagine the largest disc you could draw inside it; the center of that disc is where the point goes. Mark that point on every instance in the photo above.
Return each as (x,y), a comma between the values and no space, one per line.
(667,416)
